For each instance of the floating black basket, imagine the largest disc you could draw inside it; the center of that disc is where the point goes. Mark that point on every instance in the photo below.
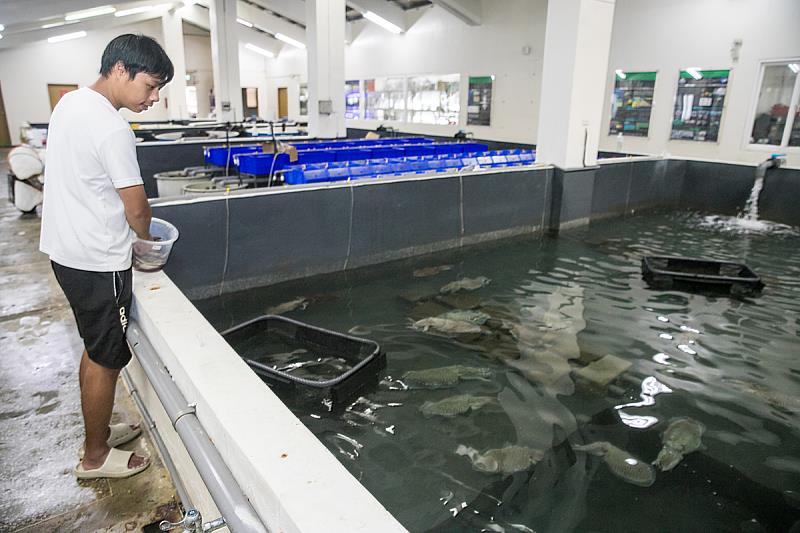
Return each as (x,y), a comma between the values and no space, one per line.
(289,353)
(684,273)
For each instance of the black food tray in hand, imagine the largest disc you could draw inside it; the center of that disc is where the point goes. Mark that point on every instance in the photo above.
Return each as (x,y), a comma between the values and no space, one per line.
(663,272)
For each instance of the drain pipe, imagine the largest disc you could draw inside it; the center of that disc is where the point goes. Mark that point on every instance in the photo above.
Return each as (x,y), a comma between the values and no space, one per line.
(238,514)
(159,442)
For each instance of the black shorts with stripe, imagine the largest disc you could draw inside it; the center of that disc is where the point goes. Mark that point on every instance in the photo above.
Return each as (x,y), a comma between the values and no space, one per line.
(101,302)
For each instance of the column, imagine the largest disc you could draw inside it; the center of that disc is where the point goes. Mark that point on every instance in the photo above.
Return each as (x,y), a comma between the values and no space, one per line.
(574,79)
(325,29)
(172,25)
(225,60)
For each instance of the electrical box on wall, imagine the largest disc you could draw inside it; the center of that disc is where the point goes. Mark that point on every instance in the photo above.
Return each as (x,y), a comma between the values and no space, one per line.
(325,107)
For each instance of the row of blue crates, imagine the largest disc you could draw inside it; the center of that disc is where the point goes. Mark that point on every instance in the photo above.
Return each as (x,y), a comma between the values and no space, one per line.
(223,156)
(349,170)
(261,164)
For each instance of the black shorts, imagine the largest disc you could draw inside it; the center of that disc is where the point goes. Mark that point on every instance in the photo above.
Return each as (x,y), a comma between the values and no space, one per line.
(101,302)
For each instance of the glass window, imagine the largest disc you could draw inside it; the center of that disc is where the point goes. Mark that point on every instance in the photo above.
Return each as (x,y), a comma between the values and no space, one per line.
(774,101)
(434,99)
(352,99)
(699,103)
(384,99)
(632,103)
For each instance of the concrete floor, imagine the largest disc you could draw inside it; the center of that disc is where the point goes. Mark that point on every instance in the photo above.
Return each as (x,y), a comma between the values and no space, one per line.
(40,423)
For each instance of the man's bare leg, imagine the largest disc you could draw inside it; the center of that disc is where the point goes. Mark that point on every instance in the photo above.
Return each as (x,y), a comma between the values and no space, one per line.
(97,400)
(82,372)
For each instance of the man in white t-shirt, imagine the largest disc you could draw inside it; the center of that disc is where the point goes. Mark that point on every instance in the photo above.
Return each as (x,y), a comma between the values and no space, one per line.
(94,206)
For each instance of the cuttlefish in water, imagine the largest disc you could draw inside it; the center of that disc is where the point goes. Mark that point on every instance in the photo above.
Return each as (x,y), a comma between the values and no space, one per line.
(445,376)
(285,307)
(507,460)
(431,271)
(681,437)
(446,325)
(621,463)
(454,405)
(465,284)
(469,315)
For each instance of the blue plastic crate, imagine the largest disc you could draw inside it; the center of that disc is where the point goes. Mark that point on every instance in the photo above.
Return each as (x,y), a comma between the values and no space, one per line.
(339,174)
(418,166)
(352,154)
(449,148)
(437,165)
(418,150)
(499,160)
(513,159)
(381,170)
(313,156)
(451,163)
(360,171)
(401,167)
(316,176)
(527,157)
(222,156)
(260,164)
(469,161)
(474,147)
(294,176)
(484,160)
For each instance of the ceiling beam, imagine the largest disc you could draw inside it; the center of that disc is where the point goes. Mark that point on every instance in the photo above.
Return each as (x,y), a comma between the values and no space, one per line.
(468,11)
(199,17)
(383,9)
(269,22)
(291,9)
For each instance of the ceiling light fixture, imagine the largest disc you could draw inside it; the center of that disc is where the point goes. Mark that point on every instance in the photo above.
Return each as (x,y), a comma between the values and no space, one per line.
(259,50)
(289,40)
(621,74)
(382,22)
(245,23)
(66,37)
(2,27)
(89,13)
(794,67)
(695,73)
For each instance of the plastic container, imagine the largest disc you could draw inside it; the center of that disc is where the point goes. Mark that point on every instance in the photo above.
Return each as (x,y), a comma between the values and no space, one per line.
(149,256)
(171,183)
(685,273)
(209,187)
(330,364)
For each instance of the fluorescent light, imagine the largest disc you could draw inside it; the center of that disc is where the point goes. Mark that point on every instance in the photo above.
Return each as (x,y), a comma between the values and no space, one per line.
(66,37)
(289,40)
(259,50)
(1,35)
(695,73)
(2,27)
(382,22)
(794,67)
(245,23)
(133,11)
(96,12)
(620,74)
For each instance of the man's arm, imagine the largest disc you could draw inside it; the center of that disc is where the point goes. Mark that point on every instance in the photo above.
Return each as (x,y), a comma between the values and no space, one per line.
(137,210)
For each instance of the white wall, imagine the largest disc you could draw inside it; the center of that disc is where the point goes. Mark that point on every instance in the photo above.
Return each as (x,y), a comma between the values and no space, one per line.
(666,36)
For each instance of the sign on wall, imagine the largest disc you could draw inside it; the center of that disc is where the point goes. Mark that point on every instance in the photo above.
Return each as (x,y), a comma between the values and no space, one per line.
(699,102)
(479,100)
(632,103)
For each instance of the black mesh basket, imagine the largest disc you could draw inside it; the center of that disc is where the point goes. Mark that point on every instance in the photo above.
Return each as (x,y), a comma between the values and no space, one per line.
(288,353)
(684,273)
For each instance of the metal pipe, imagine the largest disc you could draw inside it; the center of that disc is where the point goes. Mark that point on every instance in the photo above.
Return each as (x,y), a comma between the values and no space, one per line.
(186,501)
(225,491)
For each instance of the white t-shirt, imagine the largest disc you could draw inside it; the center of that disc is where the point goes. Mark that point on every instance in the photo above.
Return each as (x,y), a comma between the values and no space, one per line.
(91,152)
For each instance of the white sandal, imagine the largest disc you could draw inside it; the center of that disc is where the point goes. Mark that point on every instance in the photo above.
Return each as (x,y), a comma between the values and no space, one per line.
(115,466)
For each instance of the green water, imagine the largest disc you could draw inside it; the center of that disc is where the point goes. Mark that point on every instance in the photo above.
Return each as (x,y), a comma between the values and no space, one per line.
(557,306)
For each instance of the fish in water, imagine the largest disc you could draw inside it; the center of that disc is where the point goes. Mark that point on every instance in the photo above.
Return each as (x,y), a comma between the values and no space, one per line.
(621,463)
(465,284)
(682,437)
(472,316)
(431,271)
(507,460)
(285,307)
(776,398)
(359,330)
(454,405)
(443,377)
(446,325)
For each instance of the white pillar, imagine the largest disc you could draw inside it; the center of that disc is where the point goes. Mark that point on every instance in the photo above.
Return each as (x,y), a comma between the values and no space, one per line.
(325,28)
(574,75)
(225,60)
(172,25)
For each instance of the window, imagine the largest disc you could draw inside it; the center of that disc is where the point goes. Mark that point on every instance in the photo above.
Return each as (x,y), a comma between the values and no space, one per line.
(699,103)
(777,121)
(352,99)
(385,99)
(434,99)
(632,102)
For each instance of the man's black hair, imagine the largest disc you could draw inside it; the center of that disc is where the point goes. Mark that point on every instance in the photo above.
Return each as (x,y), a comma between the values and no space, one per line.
(138,53)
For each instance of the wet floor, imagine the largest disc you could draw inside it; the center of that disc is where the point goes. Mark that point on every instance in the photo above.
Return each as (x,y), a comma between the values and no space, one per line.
(40,423)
